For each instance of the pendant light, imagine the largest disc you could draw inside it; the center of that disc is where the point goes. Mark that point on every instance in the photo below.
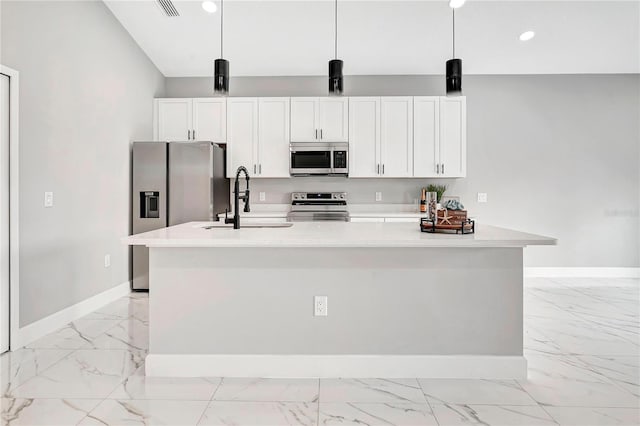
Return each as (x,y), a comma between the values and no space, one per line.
(454,65)
(335,65)
(221,66)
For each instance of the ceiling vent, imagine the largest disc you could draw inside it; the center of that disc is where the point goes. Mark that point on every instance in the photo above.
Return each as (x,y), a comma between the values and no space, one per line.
(168,8)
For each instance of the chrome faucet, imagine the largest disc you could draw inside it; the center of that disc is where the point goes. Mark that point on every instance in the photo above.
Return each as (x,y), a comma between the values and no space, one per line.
(237,197)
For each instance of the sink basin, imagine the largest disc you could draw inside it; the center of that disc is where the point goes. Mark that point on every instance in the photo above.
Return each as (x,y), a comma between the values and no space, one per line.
(249,225)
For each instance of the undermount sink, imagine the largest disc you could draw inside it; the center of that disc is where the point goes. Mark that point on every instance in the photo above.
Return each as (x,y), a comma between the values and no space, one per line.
(248,225)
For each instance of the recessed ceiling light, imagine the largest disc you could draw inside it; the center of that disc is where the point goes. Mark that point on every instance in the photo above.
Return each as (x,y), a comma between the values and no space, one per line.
(527,35)
(209,6)
(454,4)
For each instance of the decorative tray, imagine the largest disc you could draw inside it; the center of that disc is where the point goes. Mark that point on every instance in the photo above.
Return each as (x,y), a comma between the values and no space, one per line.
(467,226)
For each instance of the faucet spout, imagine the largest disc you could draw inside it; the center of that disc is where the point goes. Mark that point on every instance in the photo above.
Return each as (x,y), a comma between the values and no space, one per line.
(237,197)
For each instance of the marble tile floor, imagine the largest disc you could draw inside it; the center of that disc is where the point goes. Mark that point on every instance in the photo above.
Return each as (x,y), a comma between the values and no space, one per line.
(582,341)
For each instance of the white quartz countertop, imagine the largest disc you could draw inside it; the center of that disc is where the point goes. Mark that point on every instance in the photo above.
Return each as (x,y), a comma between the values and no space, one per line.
(331,234)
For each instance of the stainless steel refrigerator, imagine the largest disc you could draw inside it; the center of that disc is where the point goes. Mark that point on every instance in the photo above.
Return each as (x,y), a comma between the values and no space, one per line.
(173,183)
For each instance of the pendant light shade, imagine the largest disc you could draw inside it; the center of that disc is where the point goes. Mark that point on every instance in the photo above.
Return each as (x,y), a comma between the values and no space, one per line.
(335,65)
(454,66)
(454,75)
(335,77)
(221,76)
(221,66)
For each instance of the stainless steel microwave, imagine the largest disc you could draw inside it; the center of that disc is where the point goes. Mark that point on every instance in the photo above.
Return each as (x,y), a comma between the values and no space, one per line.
(325,158)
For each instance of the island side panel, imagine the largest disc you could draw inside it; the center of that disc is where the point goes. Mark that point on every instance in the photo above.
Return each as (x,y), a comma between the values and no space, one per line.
(381,301)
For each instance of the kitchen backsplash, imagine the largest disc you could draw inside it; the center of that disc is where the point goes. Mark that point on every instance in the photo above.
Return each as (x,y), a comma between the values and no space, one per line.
(360,191)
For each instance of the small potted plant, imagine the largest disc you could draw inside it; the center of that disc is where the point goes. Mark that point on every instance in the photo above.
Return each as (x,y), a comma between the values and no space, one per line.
(439,190)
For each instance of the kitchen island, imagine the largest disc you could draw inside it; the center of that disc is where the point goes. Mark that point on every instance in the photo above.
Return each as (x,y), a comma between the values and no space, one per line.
(401,303)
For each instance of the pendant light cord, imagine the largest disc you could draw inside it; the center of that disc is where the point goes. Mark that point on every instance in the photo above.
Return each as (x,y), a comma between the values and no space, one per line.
(453,14)
(336,29)
(221,28)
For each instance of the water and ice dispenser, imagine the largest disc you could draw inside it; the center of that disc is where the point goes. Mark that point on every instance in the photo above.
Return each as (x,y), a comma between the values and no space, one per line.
(149,204)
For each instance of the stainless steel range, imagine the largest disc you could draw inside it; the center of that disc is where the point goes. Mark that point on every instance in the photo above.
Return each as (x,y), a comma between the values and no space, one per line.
(315,206)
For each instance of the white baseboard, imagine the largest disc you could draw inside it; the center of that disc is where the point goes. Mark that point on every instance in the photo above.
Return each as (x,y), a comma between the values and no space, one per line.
(53,322)
(582,272)
(335,366)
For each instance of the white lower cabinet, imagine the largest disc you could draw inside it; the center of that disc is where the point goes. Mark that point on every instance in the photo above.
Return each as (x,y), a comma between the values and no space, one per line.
(258,136)
(367,219)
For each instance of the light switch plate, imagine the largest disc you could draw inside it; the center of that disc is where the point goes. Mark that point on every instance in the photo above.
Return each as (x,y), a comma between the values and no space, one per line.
(482,197)
(378,196)
(107,260)
(263,196)
(48,199)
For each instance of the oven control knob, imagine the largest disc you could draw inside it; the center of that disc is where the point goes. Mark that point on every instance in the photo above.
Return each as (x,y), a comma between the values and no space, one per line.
(342,196)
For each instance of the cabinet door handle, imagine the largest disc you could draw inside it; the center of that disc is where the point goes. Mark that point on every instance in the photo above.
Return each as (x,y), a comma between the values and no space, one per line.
(438,168)
(316,133)
(442,168)
(383,168)
(378,169)
(254,169)
(193,132)
(188,135)
(259,168)
(320,133)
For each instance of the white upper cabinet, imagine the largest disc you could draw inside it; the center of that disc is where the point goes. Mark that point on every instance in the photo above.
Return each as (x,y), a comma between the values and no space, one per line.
(187,119)
(273,137)
(334,119)
(258,136)
(396,136)
(320,119)
(426,136)
(173,119)
(381,137)
(453,136)
(440,137)
(242,135)
(304,119)
(209,119)
(364,137)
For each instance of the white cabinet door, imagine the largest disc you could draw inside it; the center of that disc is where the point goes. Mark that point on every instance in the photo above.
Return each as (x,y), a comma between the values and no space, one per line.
(364,136)
(174,119)
(273,137)
(367,219)
(426,136)
(242,135)
(396,136)
(333,119)
(304,120)
(210,119)
(402,220)
(453,137)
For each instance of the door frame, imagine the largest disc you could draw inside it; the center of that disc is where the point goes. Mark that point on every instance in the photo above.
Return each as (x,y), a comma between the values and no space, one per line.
(14,241)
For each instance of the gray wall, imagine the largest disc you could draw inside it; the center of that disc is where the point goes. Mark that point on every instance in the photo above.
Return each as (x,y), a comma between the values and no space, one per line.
(85,93)
(557,154)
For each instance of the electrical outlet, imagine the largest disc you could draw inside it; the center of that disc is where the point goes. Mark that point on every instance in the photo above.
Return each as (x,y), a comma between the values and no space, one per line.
(263,196)
(378,196)
(48,199)
(107,260)
(482,197)
(320,306)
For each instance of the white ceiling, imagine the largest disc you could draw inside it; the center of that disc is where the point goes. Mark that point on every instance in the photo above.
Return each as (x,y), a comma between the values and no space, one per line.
(264,38)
